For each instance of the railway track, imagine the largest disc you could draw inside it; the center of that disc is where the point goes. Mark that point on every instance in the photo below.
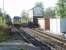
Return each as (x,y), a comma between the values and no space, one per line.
(15,34)
(34,41)
(51,35)
(22,37)
(57,42)
(58,38)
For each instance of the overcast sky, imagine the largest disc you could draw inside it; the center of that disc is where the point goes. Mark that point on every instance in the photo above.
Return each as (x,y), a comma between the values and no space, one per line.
(15,7)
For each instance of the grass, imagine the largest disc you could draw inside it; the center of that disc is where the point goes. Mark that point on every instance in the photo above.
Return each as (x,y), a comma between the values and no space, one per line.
(3,36)
(22,49)
(4,33)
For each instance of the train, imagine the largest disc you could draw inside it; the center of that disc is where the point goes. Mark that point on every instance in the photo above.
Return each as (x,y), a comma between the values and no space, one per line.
(17,21)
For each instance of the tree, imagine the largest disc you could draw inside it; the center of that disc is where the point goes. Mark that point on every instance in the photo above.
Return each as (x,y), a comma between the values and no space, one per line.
(24,16)
(8,19)
(1,14)
(2,18)
(39,4)
(61,9)
(49,13)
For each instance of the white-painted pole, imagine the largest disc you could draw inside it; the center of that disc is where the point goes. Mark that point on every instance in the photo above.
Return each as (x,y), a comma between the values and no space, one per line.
(3,7)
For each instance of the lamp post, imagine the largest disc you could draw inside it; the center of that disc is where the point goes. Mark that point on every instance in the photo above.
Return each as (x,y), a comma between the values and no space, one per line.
(3,7)
(3,13)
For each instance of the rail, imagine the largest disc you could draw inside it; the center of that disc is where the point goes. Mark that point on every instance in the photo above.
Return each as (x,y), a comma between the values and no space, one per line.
(34,41)
(59,38)
(45,37)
